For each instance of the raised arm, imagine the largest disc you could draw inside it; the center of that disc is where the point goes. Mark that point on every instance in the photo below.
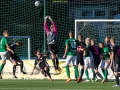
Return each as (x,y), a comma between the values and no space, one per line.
(54,26)
(45,25)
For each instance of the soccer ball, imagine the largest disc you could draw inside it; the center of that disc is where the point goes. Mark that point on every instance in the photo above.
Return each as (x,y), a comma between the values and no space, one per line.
(37,3)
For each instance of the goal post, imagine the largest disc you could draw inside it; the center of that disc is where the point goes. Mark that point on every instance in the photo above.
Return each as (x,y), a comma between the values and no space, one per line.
(98,28)
(24,51)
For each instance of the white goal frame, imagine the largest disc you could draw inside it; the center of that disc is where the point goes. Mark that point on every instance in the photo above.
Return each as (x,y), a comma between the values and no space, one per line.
(92,20)
(28,37)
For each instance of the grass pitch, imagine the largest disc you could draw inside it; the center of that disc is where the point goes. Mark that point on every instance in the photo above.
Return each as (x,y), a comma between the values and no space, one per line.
(55,85)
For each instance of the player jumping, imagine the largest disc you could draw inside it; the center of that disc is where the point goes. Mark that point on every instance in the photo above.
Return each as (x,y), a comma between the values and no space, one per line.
(51,41)
(3,50)
(43,65)
(15,59)
(70,51)
(115,57)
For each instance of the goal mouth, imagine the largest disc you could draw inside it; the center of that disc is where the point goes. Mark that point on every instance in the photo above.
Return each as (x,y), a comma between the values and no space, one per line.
(98,28)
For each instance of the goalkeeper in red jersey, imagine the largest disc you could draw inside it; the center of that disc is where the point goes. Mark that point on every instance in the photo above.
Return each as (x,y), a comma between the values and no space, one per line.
(51,41)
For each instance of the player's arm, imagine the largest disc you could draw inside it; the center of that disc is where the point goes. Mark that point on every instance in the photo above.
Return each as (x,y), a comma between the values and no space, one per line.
(66,49)
(112,56)
(45,25)
(54,26)
(34,67)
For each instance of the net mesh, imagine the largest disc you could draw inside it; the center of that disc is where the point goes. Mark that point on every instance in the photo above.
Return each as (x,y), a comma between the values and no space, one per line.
(22,18)
(99,30)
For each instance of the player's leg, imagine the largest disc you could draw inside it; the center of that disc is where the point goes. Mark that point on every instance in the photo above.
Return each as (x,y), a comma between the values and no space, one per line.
(116,68)
(3,57)
(86,65)
(102,65)
(82,68)
(68,62)
(74,61)
(48,73)
(106,69)
(21,65)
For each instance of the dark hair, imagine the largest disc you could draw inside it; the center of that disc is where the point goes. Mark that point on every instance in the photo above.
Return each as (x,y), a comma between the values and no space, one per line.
(20,43)
(101,43)
(37,51)
(80,35)
(93,40)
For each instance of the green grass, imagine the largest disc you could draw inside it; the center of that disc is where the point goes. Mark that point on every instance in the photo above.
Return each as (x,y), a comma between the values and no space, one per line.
(55,85)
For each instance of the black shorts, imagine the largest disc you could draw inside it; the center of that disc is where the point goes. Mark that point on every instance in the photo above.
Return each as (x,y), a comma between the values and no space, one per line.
(14,58)
(53,48)
(96,63)
(80,58)
(116,67)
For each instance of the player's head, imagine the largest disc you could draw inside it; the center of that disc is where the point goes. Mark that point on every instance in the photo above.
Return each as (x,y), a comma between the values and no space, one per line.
(87,41)
(52,28)
(5,33)
(80,37)
(107,39)
(92,41)
(38,53)
(112,40)
(101,44)
(70,34)
(19,43)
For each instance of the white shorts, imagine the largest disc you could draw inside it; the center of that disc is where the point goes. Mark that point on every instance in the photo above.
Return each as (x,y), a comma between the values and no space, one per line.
(71,60)
(104,64)
(88,62)
(3,55)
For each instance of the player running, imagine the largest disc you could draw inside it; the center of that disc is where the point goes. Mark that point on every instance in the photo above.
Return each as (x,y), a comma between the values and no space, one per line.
(95,50)
(88,60)
(14,58)
(51,41)
(80,52)
(105,60)
(42,63)
(3,50)
(70,51)
(115,57)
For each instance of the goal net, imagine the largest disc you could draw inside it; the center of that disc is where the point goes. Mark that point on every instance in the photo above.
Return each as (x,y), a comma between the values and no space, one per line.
(98,29)
(24,51)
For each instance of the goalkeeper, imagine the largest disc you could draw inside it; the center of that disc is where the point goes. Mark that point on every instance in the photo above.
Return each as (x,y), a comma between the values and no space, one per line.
(51,41)
(42,63)
(14,58)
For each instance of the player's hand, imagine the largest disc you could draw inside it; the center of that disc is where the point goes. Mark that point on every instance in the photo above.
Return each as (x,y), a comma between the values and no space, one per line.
(64,56)
(49,18)
(12,52)
(31,73)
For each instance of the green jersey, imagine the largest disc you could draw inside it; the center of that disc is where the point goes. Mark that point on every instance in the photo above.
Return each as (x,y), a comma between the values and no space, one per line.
(3,43)
(106,52)
(72,46)
(87,51)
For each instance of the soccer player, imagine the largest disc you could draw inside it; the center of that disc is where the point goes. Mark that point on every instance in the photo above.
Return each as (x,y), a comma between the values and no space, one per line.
(51,41)
(41,61)
(80,52)
(105,61)
(70,51)
(95,50)
(88,60)
(3,50)
(14,58)
(115,57)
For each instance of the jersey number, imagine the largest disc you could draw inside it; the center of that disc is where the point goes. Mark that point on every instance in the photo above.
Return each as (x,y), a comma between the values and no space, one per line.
(73,44)
(96,50)
(118,51)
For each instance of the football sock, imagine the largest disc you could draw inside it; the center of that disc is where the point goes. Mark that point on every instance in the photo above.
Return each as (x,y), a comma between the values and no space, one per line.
(86,73)
(106,74)
(53,61)
(93,74)
(21,67)
(68,71)
(99,75)
(57,63)
(76,71)
(1,67)
(47,72)
(103,73)
(14,69)
(117,80)
(82,71)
